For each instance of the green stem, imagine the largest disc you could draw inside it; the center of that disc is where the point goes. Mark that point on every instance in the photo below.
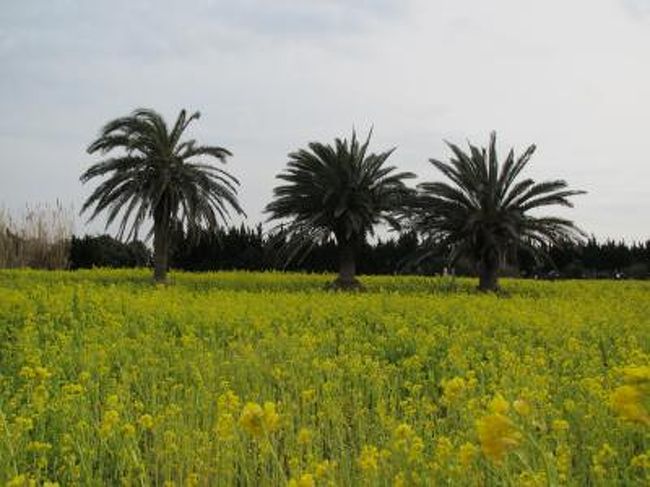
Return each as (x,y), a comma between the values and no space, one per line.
(9,445)
(275,457)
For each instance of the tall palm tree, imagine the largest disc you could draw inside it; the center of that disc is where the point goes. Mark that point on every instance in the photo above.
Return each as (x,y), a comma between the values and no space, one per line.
(484,209)
(156,175)
(338,190)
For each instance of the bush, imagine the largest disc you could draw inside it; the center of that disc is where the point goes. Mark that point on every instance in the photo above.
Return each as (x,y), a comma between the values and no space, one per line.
(105,251)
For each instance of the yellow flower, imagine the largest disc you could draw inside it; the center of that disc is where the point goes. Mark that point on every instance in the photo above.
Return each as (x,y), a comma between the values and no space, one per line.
(497,435)
(228,402)
(129,430)
(635,375)
(602,459)
(570,405)
(72,389)
(499,405)
(563,458)
(271,417)
(532,479)
(304,436)
(27,372)
(192,480)
(225,427)
(369,459)
(23,423)
(452,390)
(641,461)
(324,468)
(42,373)
(406,441)
(21,480)
(467,454)
(627,402)
(109,421)
(559,425)
(305,480)
(38,447)
(521,407)
(444,448)
(257,420)
(146,421)
(308,395)
(40,397)
(399,480)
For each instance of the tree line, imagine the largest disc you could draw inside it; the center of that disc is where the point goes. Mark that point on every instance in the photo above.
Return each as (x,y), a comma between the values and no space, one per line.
(482,210)
(251,249)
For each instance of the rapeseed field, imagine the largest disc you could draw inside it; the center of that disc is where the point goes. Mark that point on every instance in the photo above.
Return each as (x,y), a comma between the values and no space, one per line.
(266,379)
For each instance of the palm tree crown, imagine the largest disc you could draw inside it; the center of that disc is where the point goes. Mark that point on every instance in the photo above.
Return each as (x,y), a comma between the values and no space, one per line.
(340,190)
(483,211)
(158,175)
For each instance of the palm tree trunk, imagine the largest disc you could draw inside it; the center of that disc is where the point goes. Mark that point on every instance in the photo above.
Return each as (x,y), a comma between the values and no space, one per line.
(347,268)
(160,251)
(488,275)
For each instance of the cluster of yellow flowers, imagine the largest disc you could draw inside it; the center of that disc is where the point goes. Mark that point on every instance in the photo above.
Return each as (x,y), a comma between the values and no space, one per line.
(266,379)
(259,420)
(631,400)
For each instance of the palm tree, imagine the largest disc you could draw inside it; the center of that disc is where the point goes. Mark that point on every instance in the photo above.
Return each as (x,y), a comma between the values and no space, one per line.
(484,211)
(338,190)
(157,175)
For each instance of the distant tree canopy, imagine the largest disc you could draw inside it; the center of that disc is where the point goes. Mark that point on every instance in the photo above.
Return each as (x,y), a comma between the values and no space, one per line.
(249,248)
(105,251)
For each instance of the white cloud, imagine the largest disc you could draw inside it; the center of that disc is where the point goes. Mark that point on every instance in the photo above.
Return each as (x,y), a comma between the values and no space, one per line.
(271,75)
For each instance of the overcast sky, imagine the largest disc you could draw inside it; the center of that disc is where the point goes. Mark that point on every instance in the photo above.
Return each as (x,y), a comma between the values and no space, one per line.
(572,76)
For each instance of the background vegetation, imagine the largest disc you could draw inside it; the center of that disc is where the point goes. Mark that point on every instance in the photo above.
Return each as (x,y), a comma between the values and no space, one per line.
(247,248)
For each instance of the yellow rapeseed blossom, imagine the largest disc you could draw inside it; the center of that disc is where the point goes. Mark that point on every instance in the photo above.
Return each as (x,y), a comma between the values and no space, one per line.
(225,427)
(308,395)
(499,405)
(522,407)
(109,421)
(467,453)
(407,442)
(192,480)
(641,461)
(369,459)
(304,436)
(560,425)
(636,374)
(627,401)
(325,468)
(128,430)
(109,381)
(38,446)
(21,480)
(146,421)
(497,435)
(258,420)
(452,390)
(603,459)
(305,480)
(228,402)
(563,457)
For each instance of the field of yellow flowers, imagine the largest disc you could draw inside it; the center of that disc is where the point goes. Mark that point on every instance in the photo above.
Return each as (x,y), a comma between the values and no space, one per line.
(266,379)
